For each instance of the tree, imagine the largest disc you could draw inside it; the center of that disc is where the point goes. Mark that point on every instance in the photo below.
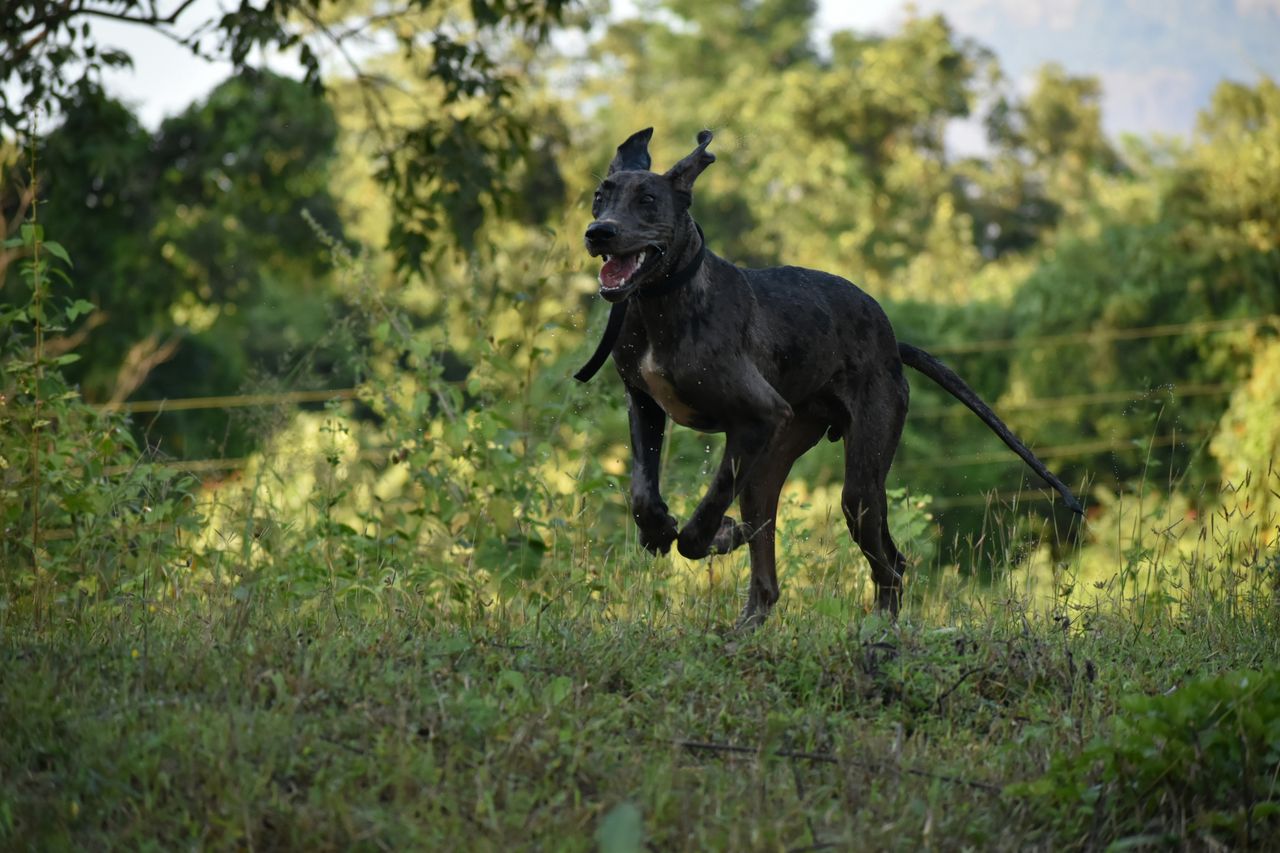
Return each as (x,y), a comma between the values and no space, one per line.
(833,159)
(51,53)
(193,245)
(1195,241)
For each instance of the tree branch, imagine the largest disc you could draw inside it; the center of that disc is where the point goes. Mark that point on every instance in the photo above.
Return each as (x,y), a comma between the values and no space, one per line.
(152,20)
(52,21)
(143,357)
(56,346)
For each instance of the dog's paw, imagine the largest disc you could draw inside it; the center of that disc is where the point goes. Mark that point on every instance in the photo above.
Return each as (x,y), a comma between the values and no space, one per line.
(752,617)
(657,539)
(698,540)
(695,541)
(732,534)
(692,546)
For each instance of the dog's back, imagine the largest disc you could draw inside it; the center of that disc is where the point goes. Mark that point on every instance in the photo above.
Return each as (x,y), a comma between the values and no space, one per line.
(823,339)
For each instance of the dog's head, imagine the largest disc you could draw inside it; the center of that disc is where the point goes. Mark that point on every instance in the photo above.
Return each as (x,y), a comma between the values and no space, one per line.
(641,217)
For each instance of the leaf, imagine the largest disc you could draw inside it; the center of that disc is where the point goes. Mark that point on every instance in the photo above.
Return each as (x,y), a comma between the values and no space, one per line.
(558,690)
(55,249)
(514,681)
(621,830)
(80,306)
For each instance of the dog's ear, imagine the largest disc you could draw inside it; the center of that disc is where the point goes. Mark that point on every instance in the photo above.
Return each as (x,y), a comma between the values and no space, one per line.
(683,174)
(633,155)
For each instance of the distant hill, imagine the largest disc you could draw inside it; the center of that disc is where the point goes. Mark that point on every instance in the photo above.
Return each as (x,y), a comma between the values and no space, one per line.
(1158,61)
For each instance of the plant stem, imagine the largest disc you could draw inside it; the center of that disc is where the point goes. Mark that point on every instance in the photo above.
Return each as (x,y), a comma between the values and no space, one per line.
(38,320)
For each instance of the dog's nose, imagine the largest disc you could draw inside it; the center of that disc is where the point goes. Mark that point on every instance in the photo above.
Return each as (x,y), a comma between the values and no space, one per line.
(598,232)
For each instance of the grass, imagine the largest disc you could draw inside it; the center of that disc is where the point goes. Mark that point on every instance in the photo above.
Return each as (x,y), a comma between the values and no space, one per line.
(617,715)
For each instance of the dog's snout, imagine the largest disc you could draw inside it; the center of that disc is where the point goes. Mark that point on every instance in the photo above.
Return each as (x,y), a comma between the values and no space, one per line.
(600,231)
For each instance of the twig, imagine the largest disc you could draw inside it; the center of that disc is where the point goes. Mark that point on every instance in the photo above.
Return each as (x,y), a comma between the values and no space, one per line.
(953,687)
(827,758)
(814,844)
(152,20)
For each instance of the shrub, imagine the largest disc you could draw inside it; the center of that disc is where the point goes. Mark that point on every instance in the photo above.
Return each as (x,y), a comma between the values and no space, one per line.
(85,515)
(1200,762)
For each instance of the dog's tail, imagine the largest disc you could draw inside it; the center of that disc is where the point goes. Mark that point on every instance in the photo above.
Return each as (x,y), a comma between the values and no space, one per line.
(954,385)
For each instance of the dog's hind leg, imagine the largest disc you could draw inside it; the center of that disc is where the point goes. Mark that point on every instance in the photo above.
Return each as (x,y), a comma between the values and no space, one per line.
(759,504)
(869,445)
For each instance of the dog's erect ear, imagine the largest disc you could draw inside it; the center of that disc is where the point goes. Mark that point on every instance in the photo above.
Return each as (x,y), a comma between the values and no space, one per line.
(633,155)
(684,173)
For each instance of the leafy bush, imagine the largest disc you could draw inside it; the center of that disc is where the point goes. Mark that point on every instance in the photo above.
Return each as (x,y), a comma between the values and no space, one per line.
(1247,444)
(85,514)
(1200,762)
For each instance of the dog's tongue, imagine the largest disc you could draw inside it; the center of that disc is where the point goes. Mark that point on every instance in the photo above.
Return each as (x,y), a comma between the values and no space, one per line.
(617,270)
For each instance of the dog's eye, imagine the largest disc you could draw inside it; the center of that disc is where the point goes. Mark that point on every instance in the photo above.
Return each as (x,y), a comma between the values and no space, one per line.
(647,199)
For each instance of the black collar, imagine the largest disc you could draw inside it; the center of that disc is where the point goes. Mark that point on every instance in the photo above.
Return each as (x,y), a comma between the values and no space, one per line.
(619,310)
(681,277)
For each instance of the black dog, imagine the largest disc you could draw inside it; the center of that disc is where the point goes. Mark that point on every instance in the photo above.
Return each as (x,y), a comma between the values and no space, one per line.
(775,358)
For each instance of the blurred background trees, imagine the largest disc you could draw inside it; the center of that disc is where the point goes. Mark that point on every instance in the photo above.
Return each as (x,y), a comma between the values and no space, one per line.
(1116,301)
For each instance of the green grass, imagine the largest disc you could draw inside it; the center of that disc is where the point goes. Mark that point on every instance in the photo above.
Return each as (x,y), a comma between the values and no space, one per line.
(559,724)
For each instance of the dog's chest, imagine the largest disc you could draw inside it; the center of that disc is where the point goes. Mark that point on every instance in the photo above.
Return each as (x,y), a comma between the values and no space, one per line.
(661,389)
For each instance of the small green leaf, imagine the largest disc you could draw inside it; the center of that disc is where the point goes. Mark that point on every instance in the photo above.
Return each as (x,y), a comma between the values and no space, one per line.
(67,358)
(621,830)
(80,306)
(514,681)
(55,249)
(558,690)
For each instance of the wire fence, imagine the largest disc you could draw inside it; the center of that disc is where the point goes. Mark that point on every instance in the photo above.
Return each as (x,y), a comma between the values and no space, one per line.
(1163,393)
(1132,333)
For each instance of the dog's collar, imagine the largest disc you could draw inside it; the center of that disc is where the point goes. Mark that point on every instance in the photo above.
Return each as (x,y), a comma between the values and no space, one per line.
(619,310)
(681,277)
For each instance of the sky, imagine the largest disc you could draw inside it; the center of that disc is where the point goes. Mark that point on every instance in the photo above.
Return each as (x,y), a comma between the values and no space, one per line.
(165,77)
(1158,60)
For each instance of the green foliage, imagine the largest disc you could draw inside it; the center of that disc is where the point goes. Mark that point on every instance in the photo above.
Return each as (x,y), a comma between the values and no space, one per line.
(565,721)
(465,50)
(193,248)
(1247,443)
(419,616)
(833,159)
(1198,763)
(1176,252)
(86,518)
(621,830)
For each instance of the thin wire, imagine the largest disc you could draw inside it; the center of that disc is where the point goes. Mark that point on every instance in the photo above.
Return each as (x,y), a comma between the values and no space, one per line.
(1161,394)
(1062,451)
(230,401)
(1132,333)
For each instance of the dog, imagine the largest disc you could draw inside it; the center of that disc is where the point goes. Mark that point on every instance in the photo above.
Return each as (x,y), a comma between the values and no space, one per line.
(774,358)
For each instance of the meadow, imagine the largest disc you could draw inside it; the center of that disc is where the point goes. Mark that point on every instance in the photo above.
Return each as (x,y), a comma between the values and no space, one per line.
(309,541)
(1123,695)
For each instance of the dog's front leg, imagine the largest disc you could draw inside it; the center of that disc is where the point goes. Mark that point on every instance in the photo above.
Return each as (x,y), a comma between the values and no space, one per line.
(745,442)
(648,426)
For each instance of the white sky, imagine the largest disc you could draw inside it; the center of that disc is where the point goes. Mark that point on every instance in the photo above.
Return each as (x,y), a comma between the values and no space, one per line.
(165,77)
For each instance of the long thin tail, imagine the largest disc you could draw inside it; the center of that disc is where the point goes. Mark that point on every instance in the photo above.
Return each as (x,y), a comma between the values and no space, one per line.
(956,387)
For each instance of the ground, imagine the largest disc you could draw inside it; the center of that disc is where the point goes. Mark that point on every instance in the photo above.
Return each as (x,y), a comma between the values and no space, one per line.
(577,723)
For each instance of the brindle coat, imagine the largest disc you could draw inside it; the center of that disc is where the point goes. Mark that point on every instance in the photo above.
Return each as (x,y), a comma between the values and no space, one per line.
(774,358)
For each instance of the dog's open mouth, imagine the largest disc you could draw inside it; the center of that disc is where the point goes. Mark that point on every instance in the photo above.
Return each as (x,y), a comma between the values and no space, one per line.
(620,271)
